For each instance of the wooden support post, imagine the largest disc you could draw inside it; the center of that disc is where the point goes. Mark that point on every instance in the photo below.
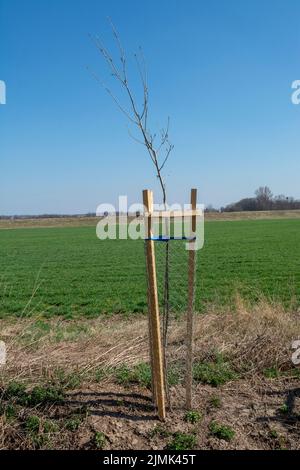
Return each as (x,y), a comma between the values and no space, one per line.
(154,321)
(190,312)
(148,203)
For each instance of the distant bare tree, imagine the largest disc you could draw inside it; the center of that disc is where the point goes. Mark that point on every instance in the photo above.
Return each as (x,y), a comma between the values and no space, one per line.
(264,197)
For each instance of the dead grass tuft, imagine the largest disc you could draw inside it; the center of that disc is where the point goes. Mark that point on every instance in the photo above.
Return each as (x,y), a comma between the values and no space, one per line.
(252,338)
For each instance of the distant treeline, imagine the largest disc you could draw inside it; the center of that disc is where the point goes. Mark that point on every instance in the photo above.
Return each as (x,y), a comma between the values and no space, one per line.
(62,216)
(46,216)
(264,200)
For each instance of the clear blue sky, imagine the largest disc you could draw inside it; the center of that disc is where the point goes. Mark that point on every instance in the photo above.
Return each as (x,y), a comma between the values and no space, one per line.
(221,69)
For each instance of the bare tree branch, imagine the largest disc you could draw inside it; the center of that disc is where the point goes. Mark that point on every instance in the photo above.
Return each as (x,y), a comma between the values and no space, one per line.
(168,151)
(121,49)
(135,138)
(136,117)
(108,90)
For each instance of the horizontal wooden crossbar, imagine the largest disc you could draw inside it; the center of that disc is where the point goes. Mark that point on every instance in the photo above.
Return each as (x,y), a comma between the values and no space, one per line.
(171,214)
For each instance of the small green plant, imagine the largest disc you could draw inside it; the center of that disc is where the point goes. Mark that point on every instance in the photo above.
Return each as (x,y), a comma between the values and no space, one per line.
(142,372)
(182,441)
(9,411)
(50,426)
(173,375)
(221,431)
(139,374)
(215,373)
(192,417)
(38,431)
(158,430)
(273,433)
(284,409)
(272,372)
(39,395)
(100,374)
(99,440)
(32,424)
(72,424)
(15,390)
(295,373)
(42,395)
(215,401)
(123,375)
(73,380)
(69,381)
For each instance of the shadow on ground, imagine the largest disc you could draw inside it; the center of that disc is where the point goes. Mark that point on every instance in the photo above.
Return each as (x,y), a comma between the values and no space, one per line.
(130,406)
(288,414)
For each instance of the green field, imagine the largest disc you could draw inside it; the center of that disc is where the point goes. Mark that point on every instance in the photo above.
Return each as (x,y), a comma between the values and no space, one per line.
(68,271)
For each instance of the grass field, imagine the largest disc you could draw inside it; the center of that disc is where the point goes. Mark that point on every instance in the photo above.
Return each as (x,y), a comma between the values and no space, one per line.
(68,271)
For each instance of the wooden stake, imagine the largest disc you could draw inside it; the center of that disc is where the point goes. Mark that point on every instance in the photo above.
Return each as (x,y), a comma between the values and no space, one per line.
(154,321)
(148,203)
(190,312)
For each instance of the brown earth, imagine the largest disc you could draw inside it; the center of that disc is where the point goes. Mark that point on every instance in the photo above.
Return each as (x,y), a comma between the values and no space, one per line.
(252,410)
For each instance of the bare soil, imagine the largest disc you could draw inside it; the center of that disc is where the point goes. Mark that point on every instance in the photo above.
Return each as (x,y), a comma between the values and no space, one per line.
(252,410)
(128,420)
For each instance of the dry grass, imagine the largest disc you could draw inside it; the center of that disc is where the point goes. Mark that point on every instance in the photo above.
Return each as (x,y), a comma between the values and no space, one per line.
(251,338)
(34,354)
(253,215)
(92,221)
(49,222)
